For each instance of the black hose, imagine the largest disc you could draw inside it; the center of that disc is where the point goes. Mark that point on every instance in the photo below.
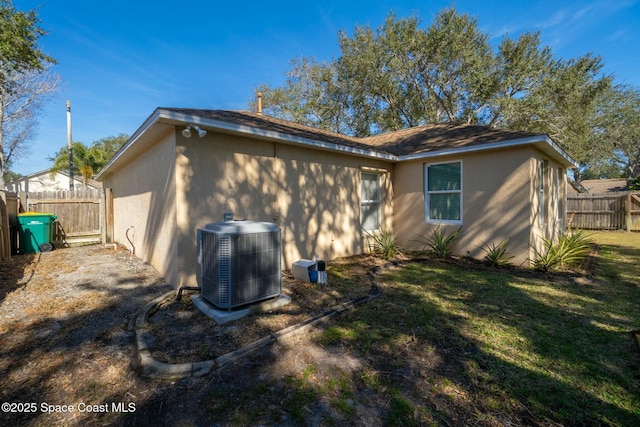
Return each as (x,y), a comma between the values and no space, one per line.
(133,248)
(186,288)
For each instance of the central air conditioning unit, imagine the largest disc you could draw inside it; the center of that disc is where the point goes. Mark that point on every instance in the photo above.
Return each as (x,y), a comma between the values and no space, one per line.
(239,262)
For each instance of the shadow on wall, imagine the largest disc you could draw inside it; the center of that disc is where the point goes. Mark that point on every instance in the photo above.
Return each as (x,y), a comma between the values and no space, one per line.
(312,196)
(493,209)
(144,197)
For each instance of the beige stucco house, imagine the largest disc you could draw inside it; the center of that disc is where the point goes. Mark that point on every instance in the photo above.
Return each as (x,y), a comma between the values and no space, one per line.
(324,189)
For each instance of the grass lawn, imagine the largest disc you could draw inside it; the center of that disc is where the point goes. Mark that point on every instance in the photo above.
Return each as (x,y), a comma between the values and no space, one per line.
(448,344)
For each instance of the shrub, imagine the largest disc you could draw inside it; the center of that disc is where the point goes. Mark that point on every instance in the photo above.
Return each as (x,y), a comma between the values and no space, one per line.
(496,255)
(440,244)
(385,243)
(570,251)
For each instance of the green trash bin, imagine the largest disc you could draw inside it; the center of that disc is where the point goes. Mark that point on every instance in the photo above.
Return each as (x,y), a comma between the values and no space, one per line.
(35,232)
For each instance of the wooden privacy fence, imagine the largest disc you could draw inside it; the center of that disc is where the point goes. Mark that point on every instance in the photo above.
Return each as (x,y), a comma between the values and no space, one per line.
(79,215)
(606,211)
(8,222)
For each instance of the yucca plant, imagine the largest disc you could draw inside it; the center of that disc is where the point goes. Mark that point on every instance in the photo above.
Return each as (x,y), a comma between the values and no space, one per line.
(571,249)
(440,244)
(496,254)
(385,243)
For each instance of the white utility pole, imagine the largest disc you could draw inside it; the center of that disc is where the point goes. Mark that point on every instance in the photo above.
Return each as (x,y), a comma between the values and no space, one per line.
(70,146)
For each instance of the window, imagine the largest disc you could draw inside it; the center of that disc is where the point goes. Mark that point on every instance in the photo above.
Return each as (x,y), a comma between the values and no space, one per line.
(370,201)
(542,180)
(443,192)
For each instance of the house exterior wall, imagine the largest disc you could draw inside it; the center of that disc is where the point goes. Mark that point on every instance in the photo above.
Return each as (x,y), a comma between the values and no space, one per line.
(319,199)
(144,198)
(314,196)
(179,184)
(496,202)
(43,181)
(550,224)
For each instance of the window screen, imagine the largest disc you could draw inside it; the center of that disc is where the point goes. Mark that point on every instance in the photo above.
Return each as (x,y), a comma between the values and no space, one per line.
(443,198)
(370,201)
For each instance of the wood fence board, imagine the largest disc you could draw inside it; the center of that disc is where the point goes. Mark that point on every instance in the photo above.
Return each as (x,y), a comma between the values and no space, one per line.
(8,220)
(607,211)
(79,214)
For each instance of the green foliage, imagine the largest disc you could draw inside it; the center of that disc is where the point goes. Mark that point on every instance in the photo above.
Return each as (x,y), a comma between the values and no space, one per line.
(385,243)
(87,161)
(10,175)
(634,184)
(439,244)
(615,139)
(571,250)
(23,80)
(19,35)
(496,254)
(402,74)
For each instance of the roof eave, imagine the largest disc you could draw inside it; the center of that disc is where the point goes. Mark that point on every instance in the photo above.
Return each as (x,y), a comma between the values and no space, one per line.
(543,142)
(275,136)
(177,118)
(151,120)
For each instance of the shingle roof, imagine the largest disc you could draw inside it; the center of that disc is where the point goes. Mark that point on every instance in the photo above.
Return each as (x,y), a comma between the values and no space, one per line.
(430,138)
(420,142)
(263,122)
(596,186)
(416,140)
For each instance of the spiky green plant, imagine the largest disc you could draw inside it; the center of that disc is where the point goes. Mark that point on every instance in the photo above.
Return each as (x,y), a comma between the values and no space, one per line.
(496,254)
(439,244)
(571,249)
(385,243)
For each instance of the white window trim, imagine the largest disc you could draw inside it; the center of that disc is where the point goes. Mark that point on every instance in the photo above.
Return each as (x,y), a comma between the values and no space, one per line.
(426,193)
(379,201)
(543,188)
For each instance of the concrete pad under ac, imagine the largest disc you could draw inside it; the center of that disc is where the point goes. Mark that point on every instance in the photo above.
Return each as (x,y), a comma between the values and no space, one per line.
(221,316)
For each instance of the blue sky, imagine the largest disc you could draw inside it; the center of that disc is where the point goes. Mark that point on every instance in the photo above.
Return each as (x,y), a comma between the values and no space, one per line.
(119,60)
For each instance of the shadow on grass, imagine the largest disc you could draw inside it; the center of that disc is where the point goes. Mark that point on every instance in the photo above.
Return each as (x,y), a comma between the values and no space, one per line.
(467,348)
(442,345)
(619,264)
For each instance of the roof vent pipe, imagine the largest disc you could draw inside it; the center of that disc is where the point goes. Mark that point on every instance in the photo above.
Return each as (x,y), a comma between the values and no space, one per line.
(259,103)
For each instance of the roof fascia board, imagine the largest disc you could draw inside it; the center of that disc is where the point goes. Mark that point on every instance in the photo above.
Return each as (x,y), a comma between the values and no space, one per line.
(530,140)
(151,120)
(279,136)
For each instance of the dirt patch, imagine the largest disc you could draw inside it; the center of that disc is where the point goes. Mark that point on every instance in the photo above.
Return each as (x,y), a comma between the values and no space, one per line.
(66,345)
(177,319)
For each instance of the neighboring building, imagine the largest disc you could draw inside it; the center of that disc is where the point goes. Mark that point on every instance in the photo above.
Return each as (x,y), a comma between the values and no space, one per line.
(598,186)
(47,181)
(324,189)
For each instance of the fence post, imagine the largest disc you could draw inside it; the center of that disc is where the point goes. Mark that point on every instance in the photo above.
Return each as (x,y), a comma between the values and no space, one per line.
(627,210)
(5,234)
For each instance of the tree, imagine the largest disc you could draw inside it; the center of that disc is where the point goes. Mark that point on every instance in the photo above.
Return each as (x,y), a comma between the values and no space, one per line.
(21,108)
(617,132)
(309,96)
(402,75)
(109,146)
(87,161)
(24,79)
(564,105)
